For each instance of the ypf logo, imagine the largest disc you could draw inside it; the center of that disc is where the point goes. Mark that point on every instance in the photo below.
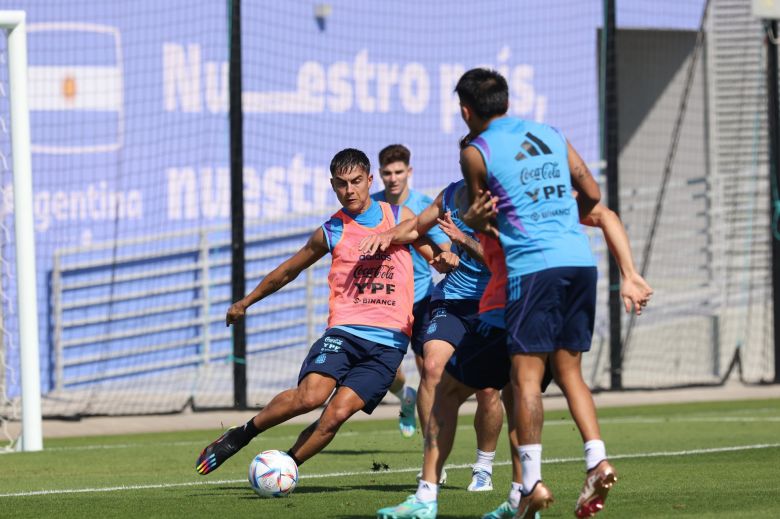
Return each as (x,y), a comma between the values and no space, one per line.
(75,88)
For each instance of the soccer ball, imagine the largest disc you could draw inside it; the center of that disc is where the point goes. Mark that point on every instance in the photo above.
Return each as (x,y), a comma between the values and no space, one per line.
(273,474)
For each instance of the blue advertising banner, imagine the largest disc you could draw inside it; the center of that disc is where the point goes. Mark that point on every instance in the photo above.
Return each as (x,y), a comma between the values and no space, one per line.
(129,106)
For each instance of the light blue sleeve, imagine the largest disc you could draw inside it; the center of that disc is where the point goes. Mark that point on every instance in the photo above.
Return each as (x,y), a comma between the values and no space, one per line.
(333,229)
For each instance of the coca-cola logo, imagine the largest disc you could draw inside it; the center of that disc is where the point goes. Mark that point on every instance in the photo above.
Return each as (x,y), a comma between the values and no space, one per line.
(382,271)
(545,171)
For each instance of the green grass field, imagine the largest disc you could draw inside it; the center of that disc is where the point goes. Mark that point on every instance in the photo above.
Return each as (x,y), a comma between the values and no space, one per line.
(687,460)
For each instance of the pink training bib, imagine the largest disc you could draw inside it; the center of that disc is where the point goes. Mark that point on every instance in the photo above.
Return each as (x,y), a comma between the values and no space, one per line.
(370,290)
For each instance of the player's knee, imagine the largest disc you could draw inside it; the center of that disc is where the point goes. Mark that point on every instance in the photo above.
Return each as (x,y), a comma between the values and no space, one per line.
(335,418)
(432,370)
(569,379)
(309,400)
(489,397)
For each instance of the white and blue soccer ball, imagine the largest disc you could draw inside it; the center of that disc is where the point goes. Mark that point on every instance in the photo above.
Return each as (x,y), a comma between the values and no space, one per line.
(273,474)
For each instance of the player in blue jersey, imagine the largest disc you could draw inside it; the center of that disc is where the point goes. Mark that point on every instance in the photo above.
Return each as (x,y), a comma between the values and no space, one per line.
(551,292)
(395,171)
(454,312)
(480,361)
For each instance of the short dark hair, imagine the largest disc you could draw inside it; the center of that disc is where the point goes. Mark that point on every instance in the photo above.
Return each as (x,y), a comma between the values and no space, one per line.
(394,153)
(484,91)
(349,159)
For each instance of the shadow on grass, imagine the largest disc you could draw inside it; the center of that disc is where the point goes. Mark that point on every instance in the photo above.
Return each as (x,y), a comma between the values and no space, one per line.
(309,489)
(303,490)
(439,516)
(349,452)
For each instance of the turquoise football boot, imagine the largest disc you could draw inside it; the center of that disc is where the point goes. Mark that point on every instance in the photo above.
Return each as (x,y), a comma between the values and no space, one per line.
(412,508)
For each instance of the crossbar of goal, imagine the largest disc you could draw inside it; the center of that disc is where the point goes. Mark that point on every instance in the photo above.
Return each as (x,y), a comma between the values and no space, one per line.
(13,23)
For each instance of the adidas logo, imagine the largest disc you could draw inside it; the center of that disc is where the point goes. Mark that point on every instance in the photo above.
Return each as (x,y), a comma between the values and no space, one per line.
(525,457)
(532,146)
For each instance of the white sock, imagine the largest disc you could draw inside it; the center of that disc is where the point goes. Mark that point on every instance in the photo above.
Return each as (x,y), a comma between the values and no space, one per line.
(485,461)
(514,494)
(531,460)
(595,452)
(426,492)
(400,393)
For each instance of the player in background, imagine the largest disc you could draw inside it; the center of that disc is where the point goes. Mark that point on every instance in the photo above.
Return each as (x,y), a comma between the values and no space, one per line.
(369,321)
(551,272)
(395,171)
(481,361)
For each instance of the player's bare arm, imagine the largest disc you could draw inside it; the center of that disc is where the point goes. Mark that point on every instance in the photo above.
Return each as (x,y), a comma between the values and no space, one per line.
(428,216)
(403,233)
(633,288)
(437,255)
(472,165)
(482,209)
(316,247)
(458,237)
(583,182)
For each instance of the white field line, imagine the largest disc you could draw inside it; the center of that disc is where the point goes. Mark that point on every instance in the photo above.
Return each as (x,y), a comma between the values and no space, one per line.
(639,455)
(550,423)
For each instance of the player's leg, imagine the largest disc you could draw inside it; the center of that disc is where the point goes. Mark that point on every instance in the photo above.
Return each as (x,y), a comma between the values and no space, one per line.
(527,375)
(578,396)
(508,508)
(488,420)
(440,433)
(600,474)
(407,419)
(534,321)
(371,370)
(575,338)
(311,393)
(435,357)
(318,435)
(450,322)
(325,363)
(398,383)
(407,395)
(439,437)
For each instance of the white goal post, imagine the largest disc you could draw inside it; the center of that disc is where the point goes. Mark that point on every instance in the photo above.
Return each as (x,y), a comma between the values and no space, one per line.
(13,23)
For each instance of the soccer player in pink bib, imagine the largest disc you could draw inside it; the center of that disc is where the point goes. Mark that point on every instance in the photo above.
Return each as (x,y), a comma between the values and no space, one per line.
(371,283)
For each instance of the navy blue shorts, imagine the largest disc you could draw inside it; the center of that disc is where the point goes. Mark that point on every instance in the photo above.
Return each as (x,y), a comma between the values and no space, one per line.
(451,320)
(556,309)
(364,366)
(422,316)
(481,360)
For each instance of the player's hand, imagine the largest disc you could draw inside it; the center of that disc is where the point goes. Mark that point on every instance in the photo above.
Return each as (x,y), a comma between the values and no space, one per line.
(635,293)
(482,213)
(450,229)
(236,311)
(445,261)
(376,242)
